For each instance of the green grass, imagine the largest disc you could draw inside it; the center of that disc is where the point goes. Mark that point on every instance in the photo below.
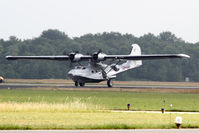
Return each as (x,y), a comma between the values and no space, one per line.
(56,109)
(92,120)
(107,100)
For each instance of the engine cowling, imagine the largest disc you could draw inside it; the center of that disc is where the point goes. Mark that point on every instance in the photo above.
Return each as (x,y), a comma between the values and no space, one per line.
(98,56)
(75,56)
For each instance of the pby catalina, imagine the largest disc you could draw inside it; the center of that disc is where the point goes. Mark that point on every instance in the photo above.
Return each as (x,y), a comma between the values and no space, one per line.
(96,71)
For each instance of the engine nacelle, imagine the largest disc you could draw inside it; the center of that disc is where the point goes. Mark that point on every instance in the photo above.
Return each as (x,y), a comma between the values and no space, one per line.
(75,57)
(99,56)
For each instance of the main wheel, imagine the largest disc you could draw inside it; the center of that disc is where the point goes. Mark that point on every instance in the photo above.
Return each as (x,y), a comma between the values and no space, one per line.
(76,83)
(109,83)
(81,84)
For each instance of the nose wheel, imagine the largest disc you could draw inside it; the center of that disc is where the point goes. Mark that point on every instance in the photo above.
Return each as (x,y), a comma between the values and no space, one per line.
(109,83)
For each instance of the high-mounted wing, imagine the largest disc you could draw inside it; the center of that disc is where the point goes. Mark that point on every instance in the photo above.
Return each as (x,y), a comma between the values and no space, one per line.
(38,57)
(105,57)
(76,57)
(146,57)
(99,56)
(136,55)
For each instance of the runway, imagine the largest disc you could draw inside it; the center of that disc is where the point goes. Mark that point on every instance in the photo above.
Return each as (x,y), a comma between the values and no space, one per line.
(106,131)
(23,85)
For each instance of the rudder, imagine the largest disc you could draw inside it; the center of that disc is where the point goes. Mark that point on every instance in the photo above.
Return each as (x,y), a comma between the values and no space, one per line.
(136,50)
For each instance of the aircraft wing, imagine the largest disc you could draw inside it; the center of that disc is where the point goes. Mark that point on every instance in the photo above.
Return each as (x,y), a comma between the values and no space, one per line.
(146,57)
(88,57)
(38,57)
(61,57)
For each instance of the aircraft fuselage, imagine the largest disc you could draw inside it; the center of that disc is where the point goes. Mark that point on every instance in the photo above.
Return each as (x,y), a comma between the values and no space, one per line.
(86,74)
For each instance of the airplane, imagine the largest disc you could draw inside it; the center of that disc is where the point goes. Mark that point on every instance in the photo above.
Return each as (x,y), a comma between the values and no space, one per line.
(97,71)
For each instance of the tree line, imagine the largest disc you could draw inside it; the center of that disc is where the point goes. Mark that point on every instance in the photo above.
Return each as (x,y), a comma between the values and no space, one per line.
(55,42)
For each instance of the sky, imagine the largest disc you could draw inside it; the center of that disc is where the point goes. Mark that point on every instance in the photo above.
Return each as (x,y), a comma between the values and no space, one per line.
(26,19)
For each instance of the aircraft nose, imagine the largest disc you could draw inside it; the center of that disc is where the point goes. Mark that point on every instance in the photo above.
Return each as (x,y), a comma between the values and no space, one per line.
(70,75)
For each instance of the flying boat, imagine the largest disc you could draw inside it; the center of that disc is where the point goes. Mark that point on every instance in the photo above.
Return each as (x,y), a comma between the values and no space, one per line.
(97,71)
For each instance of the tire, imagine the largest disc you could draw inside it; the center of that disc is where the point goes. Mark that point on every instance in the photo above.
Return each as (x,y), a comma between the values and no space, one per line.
(109,83)
(81,84)
(76,84)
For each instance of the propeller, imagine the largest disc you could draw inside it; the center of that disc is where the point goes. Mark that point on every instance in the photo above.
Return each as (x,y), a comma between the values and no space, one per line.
(73,57)
(98,56)
(99,51)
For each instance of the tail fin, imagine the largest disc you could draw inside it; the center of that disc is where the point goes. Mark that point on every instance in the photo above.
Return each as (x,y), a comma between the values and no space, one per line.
(130,63)
(135,51)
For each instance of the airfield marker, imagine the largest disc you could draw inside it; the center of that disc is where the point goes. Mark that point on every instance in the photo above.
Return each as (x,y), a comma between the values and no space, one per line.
(163,110)
(128,106)
(178,121)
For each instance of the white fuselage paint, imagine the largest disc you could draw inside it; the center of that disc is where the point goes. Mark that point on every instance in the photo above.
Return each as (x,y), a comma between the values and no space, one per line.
(98,72)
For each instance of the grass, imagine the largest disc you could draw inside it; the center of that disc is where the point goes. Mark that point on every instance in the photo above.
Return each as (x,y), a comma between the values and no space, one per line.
(75,106)
(64,109)
(107,100)
(56,116)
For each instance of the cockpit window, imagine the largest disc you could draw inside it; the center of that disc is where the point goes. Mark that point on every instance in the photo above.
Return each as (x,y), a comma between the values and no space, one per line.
(78,67)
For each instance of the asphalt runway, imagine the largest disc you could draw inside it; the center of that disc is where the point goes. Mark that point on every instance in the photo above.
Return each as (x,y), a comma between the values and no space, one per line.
(106,131)
(22,85)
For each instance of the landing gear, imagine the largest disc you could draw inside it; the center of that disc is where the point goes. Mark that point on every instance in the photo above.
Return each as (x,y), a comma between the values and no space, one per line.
(109,83)
(81,84)
(76,83)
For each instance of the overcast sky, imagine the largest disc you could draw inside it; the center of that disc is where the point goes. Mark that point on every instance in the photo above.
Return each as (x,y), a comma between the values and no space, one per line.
(28,18)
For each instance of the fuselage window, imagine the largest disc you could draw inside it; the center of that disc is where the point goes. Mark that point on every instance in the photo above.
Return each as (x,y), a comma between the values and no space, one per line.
(78,67)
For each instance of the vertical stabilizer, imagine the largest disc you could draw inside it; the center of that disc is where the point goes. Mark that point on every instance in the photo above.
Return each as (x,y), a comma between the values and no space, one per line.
(135,49)
(132,64)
